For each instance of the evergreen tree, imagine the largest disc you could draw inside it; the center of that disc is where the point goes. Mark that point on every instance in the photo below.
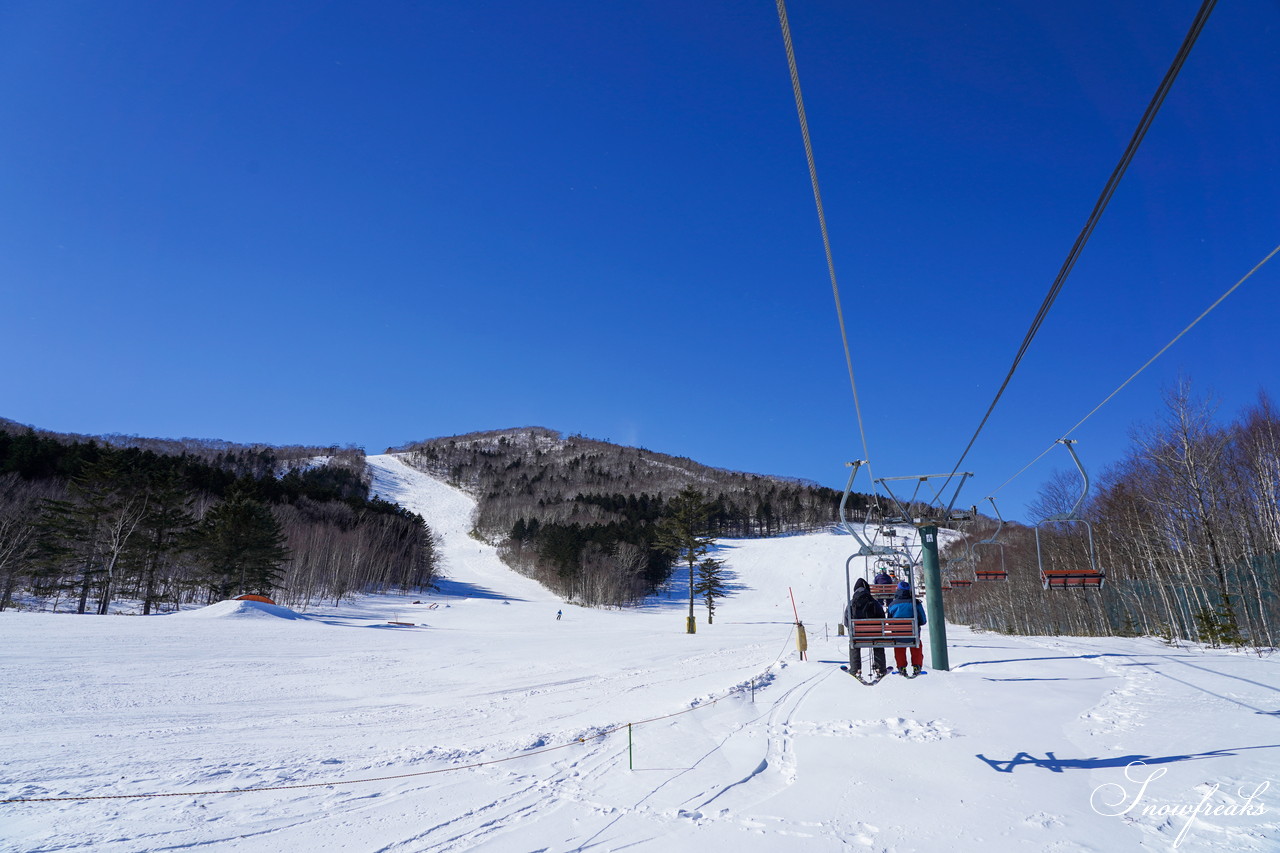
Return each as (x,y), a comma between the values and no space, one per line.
(241,546)
(92,528)
(683,534)
(1218,628)
(163,534)
(710,584)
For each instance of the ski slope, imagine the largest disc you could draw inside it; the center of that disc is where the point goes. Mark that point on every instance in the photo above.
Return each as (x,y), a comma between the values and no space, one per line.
(488,725)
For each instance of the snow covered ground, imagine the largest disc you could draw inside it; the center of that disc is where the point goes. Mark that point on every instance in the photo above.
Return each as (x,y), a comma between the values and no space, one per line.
(488,725)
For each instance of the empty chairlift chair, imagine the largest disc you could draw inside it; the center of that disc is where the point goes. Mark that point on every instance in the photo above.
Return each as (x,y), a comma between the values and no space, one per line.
(959,570)
(1091,577)
(991,572)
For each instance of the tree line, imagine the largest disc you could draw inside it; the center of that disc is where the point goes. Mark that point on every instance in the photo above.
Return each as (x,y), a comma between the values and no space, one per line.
(84,523)
(1186,529)
(582,516)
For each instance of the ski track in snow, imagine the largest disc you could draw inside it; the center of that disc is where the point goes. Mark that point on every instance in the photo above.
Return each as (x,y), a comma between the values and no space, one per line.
(1003,752)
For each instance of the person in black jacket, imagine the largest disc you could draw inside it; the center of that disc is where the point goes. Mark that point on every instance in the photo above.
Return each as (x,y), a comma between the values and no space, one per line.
(863,606)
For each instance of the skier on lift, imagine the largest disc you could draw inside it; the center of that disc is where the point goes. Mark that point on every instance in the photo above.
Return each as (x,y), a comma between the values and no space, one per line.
(901,607)
(863,606)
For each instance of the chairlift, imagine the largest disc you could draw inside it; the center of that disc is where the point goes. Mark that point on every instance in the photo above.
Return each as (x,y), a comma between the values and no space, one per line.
(882,633)
(1091,578)
(965,560)
(884,591)
(865,549)
(898,567)
(985,574)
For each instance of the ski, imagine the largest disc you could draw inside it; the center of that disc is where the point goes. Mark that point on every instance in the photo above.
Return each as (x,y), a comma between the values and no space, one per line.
(858,675)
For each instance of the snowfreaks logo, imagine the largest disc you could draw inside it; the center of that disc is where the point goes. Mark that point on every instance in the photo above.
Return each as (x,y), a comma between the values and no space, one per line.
(1115,800)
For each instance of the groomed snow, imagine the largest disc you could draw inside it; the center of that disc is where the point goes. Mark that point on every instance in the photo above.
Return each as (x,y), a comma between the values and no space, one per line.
(488,725)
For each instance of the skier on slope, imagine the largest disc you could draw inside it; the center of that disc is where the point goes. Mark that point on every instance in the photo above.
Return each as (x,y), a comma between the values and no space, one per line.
(863,606)
(902,607)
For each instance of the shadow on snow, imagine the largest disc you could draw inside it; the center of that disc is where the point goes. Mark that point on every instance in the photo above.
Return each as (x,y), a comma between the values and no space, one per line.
(1052,763)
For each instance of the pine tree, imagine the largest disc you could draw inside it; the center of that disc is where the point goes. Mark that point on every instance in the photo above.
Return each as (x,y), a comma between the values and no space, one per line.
(1218,628)
(683,534)
(91,528)
(163,535)
(710,584)
(242,546)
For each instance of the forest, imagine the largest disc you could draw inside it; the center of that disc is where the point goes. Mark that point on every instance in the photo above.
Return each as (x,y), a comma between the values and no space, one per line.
(581,515)
(88,521)
(1186,530)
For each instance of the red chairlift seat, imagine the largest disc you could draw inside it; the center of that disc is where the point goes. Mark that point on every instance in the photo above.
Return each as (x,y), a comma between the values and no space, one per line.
(1071,579)
(983,573)
(884,590)
(884,634)
(963,583)
(1090,578)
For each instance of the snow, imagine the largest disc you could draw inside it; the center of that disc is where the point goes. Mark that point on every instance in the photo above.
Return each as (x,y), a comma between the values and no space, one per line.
(239,610)
(491,726)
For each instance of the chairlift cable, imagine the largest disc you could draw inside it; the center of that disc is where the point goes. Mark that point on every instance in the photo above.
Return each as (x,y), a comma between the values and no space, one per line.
(822,219)
(1148,363)
(1100,205)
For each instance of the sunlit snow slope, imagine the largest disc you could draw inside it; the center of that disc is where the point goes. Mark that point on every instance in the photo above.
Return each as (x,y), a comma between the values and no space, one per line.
(491,726)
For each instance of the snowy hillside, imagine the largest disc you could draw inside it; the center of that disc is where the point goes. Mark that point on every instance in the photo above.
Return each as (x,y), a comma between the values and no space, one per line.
(486,724)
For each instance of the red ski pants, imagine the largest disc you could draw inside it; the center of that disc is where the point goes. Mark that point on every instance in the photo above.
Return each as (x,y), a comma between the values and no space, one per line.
(900,656)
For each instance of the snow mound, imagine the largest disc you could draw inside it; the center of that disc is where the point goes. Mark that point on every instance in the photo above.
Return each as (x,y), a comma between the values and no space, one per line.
(235,609)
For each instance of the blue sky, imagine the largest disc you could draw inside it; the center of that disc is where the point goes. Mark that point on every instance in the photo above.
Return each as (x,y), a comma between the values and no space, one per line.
(375,223)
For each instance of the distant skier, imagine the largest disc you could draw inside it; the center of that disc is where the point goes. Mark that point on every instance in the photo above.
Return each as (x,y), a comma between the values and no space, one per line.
(901,607)
(863,606)
(559,613)
(882,576)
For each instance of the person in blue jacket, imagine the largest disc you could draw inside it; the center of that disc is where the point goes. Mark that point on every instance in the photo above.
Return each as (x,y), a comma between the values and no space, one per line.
(901,607)
(863,606)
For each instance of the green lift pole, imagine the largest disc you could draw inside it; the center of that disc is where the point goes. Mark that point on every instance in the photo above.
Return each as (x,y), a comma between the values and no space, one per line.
(933,598)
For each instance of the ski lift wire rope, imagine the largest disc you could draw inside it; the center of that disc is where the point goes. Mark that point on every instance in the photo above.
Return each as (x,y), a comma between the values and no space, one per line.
(1259,265)
(1100,205)
(822,218)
